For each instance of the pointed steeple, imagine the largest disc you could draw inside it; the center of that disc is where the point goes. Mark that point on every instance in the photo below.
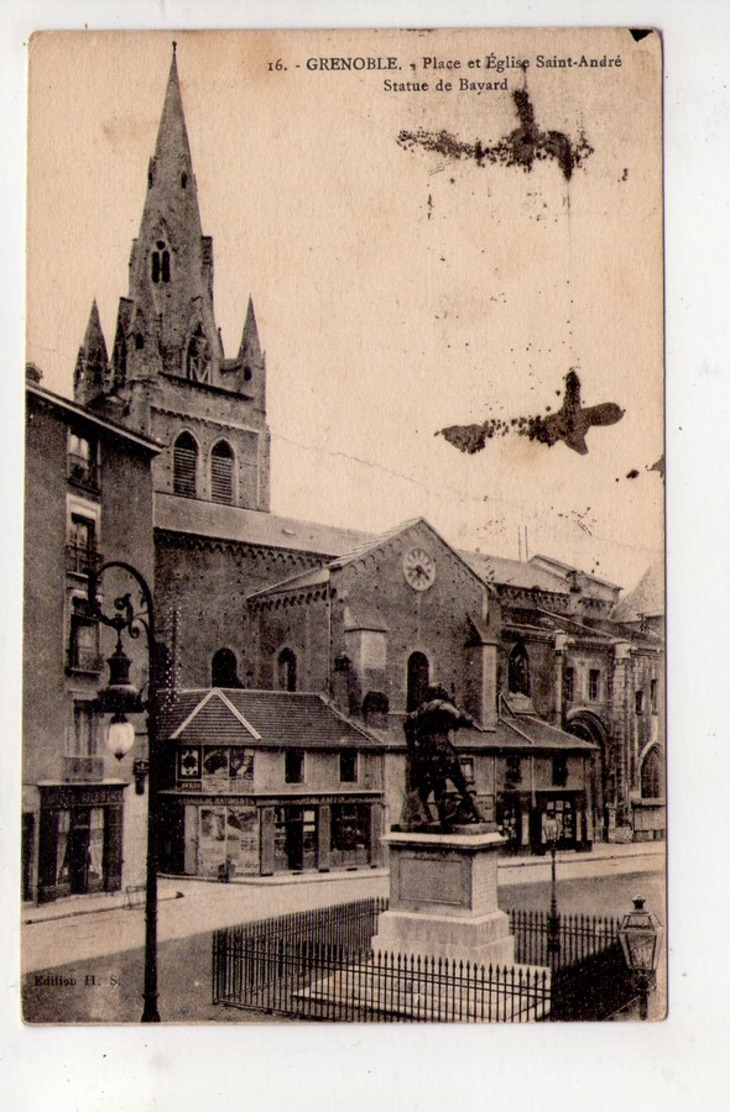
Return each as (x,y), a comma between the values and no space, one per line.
(92,363)
(171,266)
(250,348)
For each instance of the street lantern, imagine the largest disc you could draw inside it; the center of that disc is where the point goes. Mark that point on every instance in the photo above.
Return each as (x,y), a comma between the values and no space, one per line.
(119,699)
(641,934)
(551,829)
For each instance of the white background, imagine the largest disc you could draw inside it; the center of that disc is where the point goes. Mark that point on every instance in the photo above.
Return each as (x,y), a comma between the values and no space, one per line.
(680,1064)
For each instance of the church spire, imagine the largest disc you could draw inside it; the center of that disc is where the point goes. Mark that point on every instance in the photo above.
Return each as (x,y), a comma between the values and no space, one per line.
(92,362)
(171,266)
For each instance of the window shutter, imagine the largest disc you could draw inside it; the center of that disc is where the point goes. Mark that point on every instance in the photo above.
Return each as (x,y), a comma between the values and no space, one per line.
(221,474)
(185,459)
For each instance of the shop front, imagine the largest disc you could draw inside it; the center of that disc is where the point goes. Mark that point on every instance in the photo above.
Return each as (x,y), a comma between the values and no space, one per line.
(521,819)
(221,837)
(79,840)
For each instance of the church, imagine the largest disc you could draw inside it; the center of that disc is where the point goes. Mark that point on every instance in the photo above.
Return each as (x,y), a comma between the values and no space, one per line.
(294,649)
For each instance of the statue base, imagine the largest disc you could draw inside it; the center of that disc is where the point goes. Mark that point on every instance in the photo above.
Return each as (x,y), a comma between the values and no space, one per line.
(443,897)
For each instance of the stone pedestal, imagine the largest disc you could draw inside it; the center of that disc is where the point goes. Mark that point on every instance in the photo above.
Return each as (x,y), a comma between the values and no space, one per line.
(443,898)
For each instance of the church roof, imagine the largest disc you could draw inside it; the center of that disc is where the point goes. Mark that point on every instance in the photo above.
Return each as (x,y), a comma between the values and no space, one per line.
(514,573)
(215,520)
(646,599)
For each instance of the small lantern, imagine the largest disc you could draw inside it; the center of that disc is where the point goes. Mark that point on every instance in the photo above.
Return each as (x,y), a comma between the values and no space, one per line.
(641,938)
(641,934)
(120,736)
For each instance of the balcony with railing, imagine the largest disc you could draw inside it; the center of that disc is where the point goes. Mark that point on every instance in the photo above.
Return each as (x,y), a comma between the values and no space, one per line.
(81,559)
(83,472)
(80,658)
(83,769)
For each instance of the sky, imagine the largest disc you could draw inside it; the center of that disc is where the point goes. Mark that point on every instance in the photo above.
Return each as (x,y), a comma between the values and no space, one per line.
(398,290)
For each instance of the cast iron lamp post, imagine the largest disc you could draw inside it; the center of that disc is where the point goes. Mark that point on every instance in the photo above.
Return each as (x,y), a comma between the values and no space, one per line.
(641,939)
(120,698)
(551,828)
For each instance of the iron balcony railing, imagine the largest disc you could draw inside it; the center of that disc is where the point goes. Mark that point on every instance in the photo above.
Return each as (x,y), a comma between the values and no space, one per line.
(80,559)
(83,769)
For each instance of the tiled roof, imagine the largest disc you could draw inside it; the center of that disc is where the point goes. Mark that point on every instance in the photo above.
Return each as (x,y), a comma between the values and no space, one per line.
(526,733)
(213,519)
(646,598)
(514,573)
(314,577)
(271,719)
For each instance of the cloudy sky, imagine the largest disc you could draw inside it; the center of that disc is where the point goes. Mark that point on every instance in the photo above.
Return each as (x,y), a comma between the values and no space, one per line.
(398,289)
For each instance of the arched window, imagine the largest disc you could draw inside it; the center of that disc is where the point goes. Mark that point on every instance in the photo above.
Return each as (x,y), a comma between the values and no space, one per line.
(185,465)
(221,472)
(224,669)
(197,357)
(418,679)
(652,775)
(160,262)
(518,672)
(286,670)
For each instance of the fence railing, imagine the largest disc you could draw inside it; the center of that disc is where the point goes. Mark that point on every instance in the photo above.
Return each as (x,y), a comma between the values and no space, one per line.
(319,965)
(316,981)
(577,937)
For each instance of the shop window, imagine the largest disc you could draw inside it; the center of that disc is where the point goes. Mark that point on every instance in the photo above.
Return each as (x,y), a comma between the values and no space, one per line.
(295,838)
(83,461)
(348,768)
(654,695)
(221,472)
(518,671)
(294,766)
(286,670)
(652,775)
(594,685)
(417,681)
(185,465)
(224,669)
(639,702)
(350,838)
(514,770)
(197,357)
(569,685)
(560,770)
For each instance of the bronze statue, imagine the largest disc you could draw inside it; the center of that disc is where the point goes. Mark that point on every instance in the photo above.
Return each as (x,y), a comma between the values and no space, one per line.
(432,762)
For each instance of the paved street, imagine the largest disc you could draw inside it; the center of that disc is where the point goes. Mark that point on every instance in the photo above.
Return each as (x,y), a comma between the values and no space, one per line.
(87,968)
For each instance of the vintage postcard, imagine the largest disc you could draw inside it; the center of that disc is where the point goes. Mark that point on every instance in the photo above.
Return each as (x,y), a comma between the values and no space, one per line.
(344,644)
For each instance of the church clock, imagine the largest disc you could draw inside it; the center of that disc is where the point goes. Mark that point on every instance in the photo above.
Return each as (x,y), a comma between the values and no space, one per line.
(419,569)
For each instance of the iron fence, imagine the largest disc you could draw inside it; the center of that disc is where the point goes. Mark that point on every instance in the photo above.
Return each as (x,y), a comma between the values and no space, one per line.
(316,981)
(577,937)
(318,965)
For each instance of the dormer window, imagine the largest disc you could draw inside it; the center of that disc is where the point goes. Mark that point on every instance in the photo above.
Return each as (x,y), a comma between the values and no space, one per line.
(160,262)
(197,358)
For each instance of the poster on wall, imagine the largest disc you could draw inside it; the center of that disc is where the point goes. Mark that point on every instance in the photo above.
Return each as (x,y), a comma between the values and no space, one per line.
(344,383)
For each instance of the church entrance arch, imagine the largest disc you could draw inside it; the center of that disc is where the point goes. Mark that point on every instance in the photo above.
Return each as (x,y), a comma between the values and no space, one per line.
(589,727)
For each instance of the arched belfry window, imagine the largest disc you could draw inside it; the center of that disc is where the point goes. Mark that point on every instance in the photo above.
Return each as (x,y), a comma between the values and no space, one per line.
(286,670)
(185,465)
(160,262)
(221,472)
(652,775)
(224,669)
(197,357)
(417,680)
(518,678)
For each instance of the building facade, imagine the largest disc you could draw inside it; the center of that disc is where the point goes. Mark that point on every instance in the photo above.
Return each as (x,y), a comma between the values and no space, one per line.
(564,694)
(88,492)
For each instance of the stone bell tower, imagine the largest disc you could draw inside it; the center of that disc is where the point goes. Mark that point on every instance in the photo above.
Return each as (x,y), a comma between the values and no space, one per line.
(168,375)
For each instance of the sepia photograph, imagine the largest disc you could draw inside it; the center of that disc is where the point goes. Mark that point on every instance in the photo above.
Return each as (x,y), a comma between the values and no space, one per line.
(344,595)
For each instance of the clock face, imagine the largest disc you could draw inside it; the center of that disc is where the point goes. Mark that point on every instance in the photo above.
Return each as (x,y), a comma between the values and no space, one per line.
(419,569)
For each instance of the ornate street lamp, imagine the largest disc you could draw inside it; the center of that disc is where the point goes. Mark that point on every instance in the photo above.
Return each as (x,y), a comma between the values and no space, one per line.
(551,828)
(641,934)
(119,699)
